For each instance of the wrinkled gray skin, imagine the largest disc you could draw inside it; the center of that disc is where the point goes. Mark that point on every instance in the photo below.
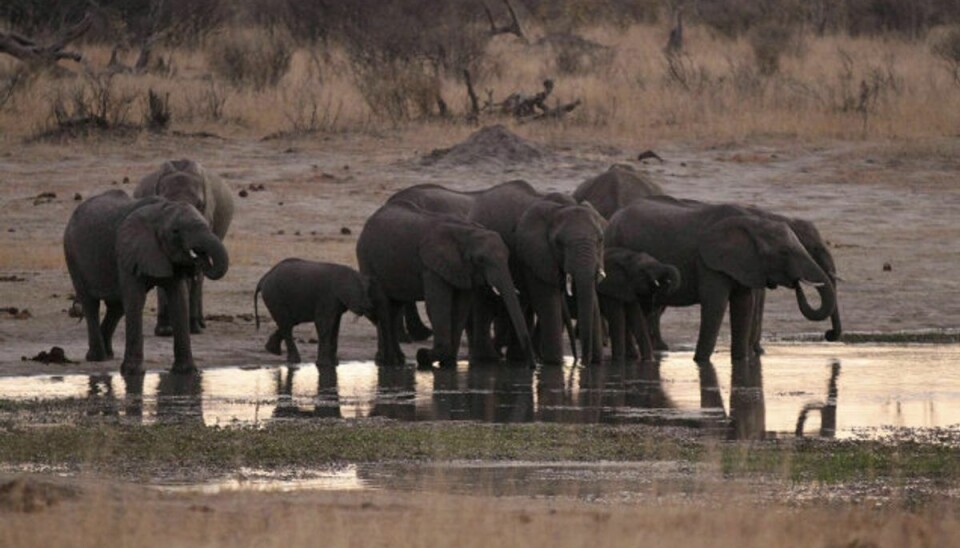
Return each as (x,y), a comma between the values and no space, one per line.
(811,240)
(118,248)
(297,291)
(634,283)
(615,188)
(188,182)
(549,237)
(413,255)
(723,257)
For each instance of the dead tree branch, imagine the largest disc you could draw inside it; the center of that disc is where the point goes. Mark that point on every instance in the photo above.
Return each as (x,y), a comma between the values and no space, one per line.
(474,113)
(514,27)
(30,52)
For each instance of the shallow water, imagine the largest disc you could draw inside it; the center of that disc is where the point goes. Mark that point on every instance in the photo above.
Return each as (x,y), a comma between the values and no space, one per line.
(880,386)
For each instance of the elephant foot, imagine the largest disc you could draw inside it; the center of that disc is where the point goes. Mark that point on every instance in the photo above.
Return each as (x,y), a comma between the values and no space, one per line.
(183,367)
(273,349)
(293,358)
(97,355)
(487,354)
(131,368)
(424,358)
(163,331)
(758,350)
(831,335)
(324,364)
(660,346)
(394,360)
(196,327)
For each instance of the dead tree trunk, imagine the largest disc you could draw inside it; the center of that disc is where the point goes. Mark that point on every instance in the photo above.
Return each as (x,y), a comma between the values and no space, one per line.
(514,27)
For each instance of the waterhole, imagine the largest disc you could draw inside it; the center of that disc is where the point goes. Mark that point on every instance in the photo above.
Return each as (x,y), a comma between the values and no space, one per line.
(879,388)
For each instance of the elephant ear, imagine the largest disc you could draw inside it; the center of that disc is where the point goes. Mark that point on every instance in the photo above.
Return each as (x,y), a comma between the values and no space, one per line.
(441,253)
(617,283)
(138,248)
(534,240)
(729,247)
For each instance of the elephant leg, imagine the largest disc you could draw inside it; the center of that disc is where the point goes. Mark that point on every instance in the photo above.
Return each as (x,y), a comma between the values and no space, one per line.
(328,327)
(415,326)
(134,296)
(482,346)
(756,328)
(197,324)
(293,353)
(713,305)
(439,297)
(178,299)
(273,343)
(653,320)
(742,315)
(596,350)
(614,313)
(639,331)
(388,320)
(96,349)
(163,328)
(462,307)
(109,325)
(546,306)
(710,396)
(747,405)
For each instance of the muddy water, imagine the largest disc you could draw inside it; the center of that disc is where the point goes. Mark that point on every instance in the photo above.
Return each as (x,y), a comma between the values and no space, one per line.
(879,386)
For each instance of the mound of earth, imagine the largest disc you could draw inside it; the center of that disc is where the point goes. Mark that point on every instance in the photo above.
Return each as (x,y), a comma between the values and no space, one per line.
(491,144)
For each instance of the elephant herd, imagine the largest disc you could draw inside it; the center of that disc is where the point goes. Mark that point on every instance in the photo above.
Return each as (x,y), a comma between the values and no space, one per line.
(509,265)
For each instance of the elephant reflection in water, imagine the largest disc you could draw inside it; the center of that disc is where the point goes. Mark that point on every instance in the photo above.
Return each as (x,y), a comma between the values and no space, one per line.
(326,404)
(606,392)
(396,394)
(485,392)
(179,397)
(101,399)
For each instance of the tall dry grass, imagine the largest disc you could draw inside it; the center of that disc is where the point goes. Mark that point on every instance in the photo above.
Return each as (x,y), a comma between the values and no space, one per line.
(834,87)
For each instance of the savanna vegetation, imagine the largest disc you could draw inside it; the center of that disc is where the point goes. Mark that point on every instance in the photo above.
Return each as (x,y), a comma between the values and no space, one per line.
(662,69)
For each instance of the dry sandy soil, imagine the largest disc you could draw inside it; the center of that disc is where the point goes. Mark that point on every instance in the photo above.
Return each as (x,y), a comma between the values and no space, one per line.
(876,203)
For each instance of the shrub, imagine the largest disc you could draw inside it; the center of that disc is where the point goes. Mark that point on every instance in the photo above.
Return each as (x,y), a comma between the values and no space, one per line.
(252,59)
(769,41)
(947,48)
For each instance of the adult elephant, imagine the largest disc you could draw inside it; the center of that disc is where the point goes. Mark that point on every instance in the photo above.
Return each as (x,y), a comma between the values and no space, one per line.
(552,240)
(811,240)
(413,255)
(118,248)
(188,182)
(724,254)
(615,188)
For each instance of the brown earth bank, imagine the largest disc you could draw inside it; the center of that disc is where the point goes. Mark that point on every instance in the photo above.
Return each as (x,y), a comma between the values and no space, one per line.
(888,210)
(57,512)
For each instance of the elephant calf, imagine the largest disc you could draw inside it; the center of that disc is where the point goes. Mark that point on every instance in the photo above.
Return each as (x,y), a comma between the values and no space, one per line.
(118,248)
(633,283)
(297,291)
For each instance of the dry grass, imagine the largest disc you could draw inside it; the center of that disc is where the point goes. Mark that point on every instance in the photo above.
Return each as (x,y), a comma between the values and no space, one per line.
(713,91)
(121,516)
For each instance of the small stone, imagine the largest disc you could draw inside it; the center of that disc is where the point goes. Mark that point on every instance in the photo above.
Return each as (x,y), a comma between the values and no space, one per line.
(244,194)
(344,230)
(346,167)
(279,203)
(281,232)
(313,232)
(11,230)
(77,197)
(126,180)
(887,267)
(297,233)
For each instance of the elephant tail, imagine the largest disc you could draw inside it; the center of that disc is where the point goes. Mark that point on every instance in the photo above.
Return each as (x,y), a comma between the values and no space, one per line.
(256,312)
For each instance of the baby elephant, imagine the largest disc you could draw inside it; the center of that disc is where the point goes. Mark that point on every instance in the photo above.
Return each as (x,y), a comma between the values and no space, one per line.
(633,283)
(297,291)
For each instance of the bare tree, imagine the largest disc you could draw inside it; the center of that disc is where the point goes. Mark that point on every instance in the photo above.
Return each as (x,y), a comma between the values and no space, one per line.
(43,55)
(514,27)
(675,41)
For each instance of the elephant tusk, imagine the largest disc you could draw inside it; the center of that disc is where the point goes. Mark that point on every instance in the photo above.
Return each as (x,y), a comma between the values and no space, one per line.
(495,290)
(193,254)
(813,284)
(601,274)
(570,285)
(656,283)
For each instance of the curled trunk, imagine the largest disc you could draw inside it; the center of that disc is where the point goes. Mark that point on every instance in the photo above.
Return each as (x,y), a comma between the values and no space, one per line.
(214,260)
(828,303)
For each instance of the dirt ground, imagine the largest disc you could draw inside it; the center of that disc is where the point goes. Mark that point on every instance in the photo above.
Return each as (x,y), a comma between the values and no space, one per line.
(890,203)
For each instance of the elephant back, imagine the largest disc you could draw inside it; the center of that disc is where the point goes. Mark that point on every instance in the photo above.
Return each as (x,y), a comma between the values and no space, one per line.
(615,188)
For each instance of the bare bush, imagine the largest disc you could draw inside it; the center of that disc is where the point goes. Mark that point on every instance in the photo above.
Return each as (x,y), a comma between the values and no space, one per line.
(681,71)
(95,104)
(947,49)
(397,90)
(259,60)
(11,82)
(157,114)
(769,42)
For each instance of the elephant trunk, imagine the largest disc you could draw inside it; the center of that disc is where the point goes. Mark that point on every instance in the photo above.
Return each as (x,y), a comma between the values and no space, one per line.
(501,281)
(836,329)
(582,261)
(828,303)
(673,280)
(212,256)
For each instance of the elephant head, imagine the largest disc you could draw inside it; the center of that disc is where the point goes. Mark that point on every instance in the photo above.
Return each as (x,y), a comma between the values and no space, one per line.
(467,255)
(562,245)
(810,237)
(183,181)
(632,275)
(163,237)
(358,296)
(758,253)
